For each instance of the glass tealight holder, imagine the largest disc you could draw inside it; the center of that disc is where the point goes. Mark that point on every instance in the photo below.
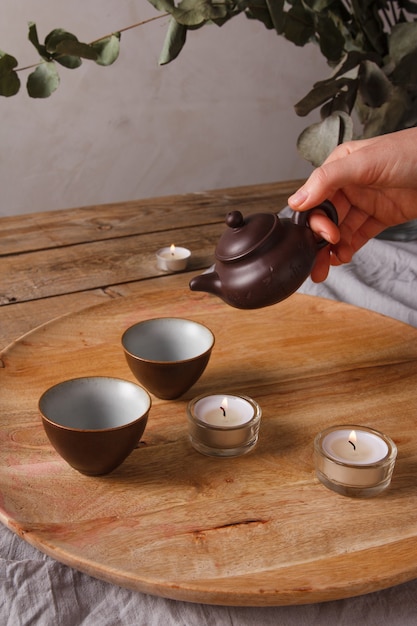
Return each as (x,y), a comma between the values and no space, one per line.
(354,460)
(223,425)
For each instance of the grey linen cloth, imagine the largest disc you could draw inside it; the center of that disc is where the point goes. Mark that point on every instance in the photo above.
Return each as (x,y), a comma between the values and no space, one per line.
(382,277)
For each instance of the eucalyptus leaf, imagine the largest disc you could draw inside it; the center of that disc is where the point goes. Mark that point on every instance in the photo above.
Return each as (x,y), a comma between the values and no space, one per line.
(331,40)
(317,141)
(372,25)
(9,80)
(374,86)
(197,12)
(387,118)
(65,48)
(261,13)
(194,12)
(174,42)
(299,25)
(34,39)
(107,49)
(43,81)
(405,74)
(73,48)
(167,6)
(352,60)
(69,62)
(55,37)
(402,41)
(276,11)
(346,128)
(344,101)
(321,93)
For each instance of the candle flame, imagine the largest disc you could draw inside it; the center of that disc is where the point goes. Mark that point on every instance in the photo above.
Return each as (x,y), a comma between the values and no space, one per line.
(224,406)
(352,439)
(172,249)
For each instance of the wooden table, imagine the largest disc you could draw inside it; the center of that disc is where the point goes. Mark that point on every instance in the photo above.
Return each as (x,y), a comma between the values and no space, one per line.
(56,262)
(301,542)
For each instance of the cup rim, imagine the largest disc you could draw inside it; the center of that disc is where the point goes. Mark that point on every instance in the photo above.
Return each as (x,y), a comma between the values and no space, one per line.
(158,361)
(94,430)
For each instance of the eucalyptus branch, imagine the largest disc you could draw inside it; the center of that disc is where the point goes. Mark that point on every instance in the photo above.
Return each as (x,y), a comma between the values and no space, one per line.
(121,30)
(355,36)
(126,28)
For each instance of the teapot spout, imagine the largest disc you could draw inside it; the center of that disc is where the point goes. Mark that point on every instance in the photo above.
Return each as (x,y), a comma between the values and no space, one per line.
(208,281)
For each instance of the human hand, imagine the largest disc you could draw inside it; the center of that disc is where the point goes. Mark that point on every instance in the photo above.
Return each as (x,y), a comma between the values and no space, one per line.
(373,185)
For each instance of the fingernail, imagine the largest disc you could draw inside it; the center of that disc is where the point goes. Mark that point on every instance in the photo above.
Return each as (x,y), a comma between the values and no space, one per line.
(298,198)
(325,236)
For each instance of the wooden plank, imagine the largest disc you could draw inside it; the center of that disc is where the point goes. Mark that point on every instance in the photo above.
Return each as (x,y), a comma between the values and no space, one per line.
(99,264)
(49,229)
(20,318)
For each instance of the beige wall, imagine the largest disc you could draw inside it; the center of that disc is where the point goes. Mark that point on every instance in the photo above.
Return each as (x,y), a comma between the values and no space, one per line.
(220,115)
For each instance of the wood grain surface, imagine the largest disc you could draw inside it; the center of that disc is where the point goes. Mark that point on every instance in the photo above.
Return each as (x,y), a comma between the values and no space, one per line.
(255,530)
(53,229)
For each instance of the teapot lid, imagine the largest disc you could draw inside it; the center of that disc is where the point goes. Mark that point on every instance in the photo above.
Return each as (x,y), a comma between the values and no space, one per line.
(244,235)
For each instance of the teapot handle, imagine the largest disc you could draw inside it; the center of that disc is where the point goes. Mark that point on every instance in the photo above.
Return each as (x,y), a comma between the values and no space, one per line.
(301,218)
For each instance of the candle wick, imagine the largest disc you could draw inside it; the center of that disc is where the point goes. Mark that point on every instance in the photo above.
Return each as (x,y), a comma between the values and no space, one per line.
(352,444)
(224,412)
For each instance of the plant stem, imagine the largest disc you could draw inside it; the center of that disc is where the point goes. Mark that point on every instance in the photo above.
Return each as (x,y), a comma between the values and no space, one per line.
(29,67)
(121,30)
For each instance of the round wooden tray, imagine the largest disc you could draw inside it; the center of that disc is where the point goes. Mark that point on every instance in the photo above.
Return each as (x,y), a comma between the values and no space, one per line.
(255,530)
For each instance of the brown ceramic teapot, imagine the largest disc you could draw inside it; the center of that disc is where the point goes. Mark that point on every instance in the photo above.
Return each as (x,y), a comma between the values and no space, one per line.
(262,259)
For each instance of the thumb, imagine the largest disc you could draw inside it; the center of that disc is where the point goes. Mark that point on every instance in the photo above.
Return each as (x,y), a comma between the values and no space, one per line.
(322,184)
(348,164)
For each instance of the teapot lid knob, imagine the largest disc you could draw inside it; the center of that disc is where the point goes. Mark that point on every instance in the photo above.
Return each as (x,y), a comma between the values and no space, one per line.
(234,219)
(245,235)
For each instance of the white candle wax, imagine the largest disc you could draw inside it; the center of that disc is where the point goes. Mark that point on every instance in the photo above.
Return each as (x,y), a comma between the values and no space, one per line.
(355,456)
(224,425)
(172,258)
(356,447)
(224,411)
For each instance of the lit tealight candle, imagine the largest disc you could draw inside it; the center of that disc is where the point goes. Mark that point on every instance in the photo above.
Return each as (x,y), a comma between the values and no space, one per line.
(354,460)
(224,425)
(358,447)
(172,258)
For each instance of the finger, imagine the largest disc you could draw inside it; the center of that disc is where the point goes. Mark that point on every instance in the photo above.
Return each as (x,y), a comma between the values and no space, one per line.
(355,231)
(327,179)
(367,231)
(353,221)
(334,259)
(342,253)
(323,226)
(321,266)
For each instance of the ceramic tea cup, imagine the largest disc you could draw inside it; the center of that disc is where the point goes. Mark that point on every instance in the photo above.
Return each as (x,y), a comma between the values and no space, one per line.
(95,422)
(167,354)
